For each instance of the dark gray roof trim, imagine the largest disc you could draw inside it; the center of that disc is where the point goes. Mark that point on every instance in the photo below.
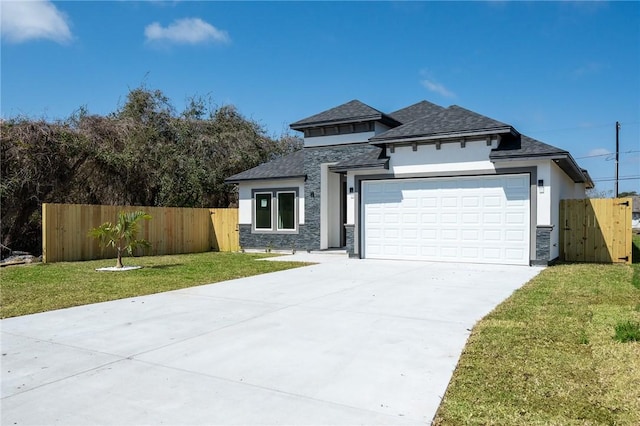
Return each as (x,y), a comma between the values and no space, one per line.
(287,167)
(372,159)
(449,122)
(351,112)
(525,148)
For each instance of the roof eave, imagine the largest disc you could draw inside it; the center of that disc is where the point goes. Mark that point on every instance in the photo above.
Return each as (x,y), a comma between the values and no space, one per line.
(564,160)
(231,180)
(448,135)
(375,166)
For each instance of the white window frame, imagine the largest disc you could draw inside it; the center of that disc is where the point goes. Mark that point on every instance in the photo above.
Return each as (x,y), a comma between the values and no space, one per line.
(295,211)
(274,192)
(255,211)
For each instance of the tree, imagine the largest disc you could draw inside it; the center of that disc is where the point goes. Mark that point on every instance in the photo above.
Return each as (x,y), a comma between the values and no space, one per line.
(123,235)
(143,154)
(628,194)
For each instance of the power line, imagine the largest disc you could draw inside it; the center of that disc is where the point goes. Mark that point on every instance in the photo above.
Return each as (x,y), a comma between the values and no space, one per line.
(606,155)
(599,126)
(612,179)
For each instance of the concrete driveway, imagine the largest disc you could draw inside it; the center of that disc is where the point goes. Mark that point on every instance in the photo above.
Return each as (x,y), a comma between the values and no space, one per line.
(342,342)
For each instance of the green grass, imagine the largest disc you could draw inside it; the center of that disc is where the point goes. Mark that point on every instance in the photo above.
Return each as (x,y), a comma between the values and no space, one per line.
(550,354)
(635,255)
(43,287)
(627,331)
(547,355)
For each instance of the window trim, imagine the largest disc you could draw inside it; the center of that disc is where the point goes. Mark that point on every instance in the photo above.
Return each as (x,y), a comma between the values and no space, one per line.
(255,211)
(277,209)
(274,210)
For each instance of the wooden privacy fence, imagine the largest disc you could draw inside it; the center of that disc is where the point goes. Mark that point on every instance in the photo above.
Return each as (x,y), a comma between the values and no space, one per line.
(596,230)
(171,230)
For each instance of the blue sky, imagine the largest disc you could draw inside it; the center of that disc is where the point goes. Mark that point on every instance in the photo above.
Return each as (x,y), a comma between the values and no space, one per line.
(561,72)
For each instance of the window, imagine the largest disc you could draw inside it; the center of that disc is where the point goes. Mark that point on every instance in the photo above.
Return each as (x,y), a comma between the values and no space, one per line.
(263,211)
(286,210)
(339,129)
(277,207)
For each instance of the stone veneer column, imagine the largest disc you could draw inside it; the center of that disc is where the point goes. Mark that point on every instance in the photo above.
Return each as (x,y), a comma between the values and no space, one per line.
(543,245)
(313,158)
(351,240)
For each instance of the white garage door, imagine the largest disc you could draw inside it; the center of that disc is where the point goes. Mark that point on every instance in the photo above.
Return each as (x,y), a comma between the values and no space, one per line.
(479,219)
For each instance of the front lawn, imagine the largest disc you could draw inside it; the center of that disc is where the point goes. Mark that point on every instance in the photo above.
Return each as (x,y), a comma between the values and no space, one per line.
(43,287)
(547,355)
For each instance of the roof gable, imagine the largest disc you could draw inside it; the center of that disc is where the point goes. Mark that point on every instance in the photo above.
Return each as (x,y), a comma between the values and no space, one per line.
(352,111)
(415,111)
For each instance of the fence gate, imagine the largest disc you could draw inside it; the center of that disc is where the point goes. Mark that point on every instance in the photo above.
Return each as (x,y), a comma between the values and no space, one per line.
(596,230)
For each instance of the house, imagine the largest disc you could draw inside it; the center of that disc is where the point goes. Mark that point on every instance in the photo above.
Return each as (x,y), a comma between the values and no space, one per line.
(424,182)
(635,213)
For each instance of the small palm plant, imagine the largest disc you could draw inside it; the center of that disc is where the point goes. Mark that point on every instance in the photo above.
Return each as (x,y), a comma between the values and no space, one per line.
(123,235)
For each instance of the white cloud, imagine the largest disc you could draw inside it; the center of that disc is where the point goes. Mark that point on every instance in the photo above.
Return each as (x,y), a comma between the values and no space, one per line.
(31,20)
(186,31)
(436,87)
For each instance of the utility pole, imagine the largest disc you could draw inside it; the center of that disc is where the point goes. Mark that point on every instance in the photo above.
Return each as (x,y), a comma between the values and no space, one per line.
(617,155)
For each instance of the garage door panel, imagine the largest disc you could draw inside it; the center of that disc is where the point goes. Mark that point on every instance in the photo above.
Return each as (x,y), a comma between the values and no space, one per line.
(470,253)
(470,219)
(491,218)
(475,219)
(491,254)
(514,236)
(470,235)
(490,201)
(515,218)
(429,202)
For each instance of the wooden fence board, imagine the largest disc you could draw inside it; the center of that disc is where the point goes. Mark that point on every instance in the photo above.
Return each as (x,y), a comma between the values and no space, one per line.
(171,230)
(225,229)
(596,230)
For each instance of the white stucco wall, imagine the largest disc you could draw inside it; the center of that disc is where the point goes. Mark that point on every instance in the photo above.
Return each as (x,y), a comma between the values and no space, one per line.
(330,224)
(562,188)
(245,201)
(451,159)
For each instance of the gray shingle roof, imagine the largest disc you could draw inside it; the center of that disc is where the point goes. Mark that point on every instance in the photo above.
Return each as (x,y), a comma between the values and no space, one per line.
(352,111)
(422,119)
(415,111)
(523,146)
(372,158)
(444,122)
(289,166)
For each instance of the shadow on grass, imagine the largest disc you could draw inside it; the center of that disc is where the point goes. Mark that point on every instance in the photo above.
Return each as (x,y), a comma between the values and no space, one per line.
(635,250)
(171,265)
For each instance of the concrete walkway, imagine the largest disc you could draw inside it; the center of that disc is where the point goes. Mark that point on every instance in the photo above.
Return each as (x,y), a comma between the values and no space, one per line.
(342,342)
